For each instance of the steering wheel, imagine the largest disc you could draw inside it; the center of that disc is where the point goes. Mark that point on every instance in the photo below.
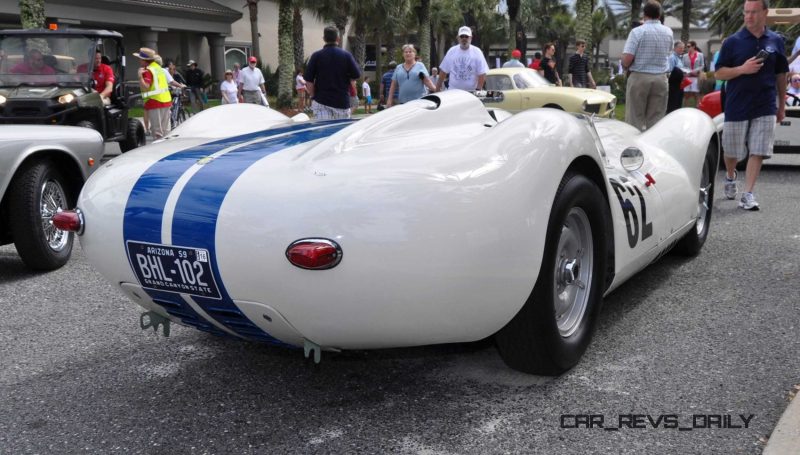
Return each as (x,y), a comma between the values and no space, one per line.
(794,101)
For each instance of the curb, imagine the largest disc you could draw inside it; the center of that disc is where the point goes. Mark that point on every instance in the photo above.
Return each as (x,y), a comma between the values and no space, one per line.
(785,438)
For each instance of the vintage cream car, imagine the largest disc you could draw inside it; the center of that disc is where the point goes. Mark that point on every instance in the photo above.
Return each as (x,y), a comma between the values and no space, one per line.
(524,88)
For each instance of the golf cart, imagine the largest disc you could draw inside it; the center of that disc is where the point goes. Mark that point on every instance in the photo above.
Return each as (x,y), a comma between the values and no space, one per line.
(46,78)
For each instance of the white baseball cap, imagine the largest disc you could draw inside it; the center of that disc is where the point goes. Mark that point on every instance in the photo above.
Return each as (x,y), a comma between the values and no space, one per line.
(465,31)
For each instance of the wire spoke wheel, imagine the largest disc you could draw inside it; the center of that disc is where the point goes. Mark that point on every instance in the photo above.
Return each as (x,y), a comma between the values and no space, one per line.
(53,201)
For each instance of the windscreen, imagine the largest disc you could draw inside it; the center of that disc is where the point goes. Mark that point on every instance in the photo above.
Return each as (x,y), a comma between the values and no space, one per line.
(45,60)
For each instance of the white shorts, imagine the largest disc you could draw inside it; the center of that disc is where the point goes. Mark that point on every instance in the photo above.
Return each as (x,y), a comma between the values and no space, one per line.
(755,135)
(693,87)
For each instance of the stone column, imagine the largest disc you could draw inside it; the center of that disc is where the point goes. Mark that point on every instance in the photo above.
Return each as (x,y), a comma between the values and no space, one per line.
(148,38)
(216,45)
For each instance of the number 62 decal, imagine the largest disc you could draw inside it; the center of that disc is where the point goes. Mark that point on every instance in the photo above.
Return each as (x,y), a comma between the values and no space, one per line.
(629,212)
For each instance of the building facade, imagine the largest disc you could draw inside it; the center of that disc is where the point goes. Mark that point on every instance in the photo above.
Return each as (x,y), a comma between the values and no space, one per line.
(216,34)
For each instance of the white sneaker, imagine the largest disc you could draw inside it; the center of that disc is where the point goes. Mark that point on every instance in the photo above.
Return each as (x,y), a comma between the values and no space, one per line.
(730,186)
(748,202)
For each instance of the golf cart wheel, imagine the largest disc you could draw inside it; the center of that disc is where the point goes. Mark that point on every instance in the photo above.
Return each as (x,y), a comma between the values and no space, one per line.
(134,136)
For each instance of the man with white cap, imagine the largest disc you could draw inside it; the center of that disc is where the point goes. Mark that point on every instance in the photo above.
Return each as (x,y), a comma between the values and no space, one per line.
(155,92)
(464,64)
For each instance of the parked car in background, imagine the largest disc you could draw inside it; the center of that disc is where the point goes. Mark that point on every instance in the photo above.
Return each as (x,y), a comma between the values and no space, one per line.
(524,88)
(42,170)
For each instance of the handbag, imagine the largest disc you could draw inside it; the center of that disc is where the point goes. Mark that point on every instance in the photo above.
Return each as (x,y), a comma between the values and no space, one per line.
(685,82)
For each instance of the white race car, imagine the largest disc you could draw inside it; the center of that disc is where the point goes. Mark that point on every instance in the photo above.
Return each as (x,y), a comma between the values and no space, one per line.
(436,221)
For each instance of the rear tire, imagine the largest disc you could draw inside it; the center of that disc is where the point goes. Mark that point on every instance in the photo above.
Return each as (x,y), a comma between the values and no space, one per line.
(37,193)
(553,329)
(88,124)
(134,136)
(693,241)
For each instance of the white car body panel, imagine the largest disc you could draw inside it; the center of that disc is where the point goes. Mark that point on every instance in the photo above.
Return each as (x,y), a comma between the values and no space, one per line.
(441,213)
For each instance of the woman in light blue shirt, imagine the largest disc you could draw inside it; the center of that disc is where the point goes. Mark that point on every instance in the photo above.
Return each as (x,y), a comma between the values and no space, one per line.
(411,77)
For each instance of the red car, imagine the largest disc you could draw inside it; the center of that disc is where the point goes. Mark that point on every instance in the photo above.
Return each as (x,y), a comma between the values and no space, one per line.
(711,104)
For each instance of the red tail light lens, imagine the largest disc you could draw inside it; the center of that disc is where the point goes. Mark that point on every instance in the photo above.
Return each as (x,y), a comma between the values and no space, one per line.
(314,254)
(69,220)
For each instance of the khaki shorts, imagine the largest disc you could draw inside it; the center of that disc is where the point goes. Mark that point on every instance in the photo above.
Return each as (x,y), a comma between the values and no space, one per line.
(756,135)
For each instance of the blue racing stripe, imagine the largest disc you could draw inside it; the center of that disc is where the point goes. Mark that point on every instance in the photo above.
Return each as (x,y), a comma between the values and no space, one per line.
(145,209)
(196,212)
(148,197)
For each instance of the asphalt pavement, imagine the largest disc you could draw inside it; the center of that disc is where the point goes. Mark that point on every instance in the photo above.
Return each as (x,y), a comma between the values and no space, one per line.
(710,344)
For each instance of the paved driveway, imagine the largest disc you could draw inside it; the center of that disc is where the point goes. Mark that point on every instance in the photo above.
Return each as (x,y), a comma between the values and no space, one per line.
(686,340)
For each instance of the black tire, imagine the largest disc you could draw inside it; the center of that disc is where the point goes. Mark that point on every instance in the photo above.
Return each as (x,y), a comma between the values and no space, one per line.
(36,193)
(692,242)
(134,136)
(88,124)
(536,340)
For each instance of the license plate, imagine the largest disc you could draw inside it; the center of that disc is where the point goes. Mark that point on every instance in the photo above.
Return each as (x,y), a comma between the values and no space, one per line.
(173,268)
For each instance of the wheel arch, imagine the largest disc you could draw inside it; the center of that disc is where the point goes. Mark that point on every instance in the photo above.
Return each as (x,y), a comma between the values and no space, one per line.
(588,167)
(63,160)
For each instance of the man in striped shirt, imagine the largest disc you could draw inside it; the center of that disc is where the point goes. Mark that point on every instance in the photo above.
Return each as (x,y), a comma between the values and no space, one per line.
(580,75)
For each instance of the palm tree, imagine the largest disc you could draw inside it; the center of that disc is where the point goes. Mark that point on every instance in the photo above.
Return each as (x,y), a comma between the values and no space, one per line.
(285,53)
(336,11)
(395,13)
(636,10)
(600,29)
(31,13)
(445,20)
(686,20)
(513,26)
(297,34)
(583,22)
(252,7)
(424,32)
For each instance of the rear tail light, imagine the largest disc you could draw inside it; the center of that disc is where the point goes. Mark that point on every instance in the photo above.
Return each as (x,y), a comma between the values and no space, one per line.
(314,254)
(69,220)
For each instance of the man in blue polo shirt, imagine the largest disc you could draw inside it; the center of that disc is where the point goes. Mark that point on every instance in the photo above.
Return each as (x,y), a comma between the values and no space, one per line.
(753,62)
(328,77)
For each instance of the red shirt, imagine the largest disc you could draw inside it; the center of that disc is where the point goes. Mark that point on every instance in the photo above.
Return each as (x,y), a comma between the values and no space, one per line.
(151,103)
(536,64)
(25,68)
(101,75)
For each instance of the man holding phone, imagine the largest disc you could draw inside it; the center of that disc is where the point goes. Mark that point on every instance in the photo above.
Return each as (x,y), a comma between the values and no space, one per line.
(753,62)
